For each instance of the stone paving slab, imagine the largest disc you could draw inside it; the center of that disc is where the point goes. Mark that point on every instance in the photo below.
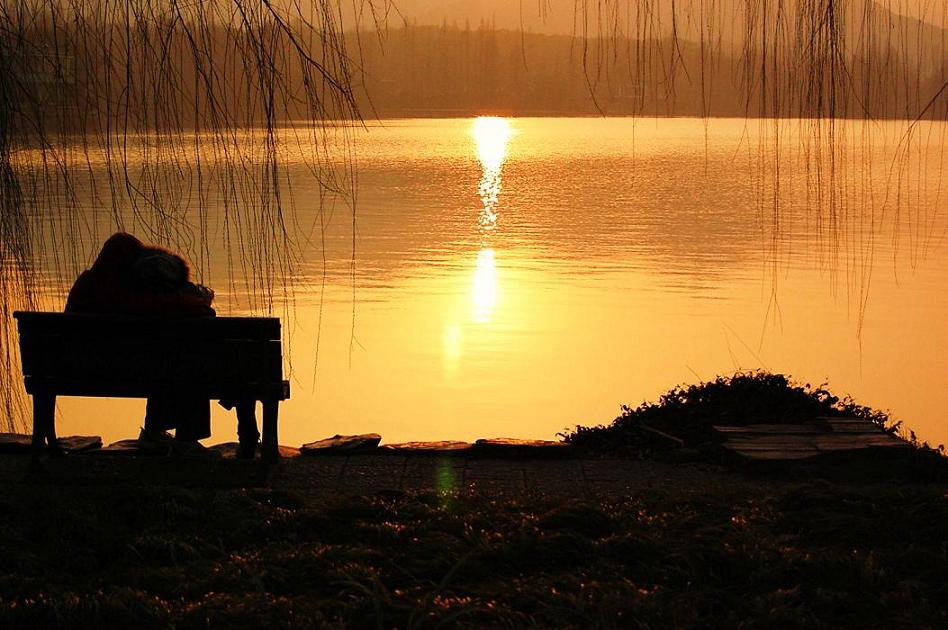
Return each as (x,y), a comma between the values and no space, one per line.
(13,443)
(20,443)
(429,449)
(123,448)
(774,443)
(343,445)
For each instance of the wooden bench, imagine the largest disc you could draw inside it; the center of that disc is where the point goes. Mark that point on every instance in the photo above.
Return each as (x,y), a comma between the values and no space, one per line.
(236,358)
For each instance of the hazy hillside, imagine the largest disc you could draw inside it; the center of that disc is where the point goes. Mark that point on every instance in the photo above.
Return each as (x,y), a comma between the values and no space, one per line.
(888,69)
(883,62)
(447,70)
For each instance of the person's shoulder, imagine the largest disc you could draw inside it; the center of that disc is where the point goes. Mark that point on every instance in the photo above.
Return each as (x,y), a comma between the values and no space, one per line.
(81,292)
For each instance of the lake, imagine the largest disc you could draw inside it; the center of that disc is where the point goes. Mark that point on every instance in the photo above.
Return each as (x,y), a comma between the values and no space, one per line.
(514,277)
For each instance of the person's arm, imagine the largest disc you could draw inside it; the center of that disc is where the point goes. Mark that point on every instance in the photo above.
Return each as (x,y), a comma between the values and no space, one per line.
(166,304)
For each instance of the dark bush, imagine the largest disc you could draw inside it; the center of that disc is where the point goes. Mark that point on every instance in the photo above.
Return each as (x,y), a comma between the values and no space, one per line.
(685,415)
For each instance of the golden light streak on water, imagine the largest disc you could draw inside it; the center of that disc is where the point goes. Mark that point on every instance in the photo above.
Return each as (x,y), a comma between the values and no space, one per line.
(491,135)
(452,349)
(657,281)
(484,291)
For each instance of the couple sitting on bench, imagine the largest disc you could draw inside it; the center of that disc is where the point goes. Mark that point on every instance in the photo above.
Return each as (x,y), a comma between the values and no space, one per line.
(131,278)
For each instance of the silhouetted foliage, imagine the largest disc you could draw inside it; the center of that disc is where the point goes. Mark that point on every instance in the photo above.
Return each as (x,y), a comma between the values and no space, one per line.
(688,412)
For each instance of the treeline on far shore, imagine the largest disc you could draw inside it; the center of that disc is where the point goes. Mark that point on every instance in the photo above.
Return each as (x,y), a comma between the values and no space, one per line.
(427,70)
(168,80)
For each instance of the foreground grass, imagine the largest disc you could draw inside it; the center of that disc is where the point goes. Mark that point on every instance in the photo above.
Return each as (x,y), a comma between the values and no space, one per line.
(784,555)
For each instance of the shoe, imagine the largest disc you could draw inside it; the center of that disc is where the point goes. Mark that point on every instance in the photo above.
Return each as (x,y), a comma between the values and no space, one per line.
(193,448)
(155,442)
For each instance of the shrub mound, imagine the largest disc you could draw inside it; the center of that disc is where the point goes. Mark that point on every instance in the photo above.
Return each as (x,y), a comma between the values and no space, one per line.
(684,415)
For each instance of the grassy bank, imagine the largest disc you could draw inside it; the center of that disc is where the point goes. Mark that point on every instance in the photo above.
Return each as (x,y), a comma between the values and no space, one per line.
(708,547)
(789,555)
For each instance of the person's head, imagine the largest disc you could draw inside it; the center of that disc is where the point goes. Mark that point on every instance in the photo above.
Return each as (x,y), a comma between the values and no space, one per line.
(118,254)
(157,269)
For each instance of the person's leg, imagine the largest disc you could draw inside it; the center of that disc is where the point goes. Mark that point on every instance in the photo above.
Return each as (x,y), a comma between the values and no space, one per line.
(160,414)
(247,432)
(194,423)
(193,418)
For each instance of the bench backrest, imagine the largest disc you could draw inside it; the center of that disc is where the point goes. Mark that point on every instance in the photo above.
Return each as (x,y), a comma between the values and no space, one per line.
(136,357)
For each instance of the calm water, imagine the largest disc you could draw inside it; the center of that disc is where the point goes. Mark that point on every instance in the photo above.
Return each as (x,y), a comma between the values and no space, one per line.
(515,277)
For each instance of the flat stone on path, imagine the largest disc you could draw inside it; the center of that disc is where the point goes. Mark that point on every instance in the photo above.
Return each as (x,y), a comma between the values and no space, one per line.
(121,448)
(856,426)
(770,429)
(776,442)
(80,443)
(13,443)
(427,448)
(287,452)
(18,443)
(343,445)
(229,450)
(511,447)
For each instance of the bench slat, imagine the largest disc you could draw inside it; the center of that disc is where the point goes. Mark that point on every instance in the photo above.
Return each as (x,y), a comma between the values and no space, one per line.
(196,364)
(91,355)
(126,389)
(124,326)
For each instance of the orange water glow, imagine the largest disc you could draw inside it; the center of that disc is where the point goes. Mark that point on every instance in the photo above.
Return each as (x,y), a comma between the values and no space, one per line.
(514,277)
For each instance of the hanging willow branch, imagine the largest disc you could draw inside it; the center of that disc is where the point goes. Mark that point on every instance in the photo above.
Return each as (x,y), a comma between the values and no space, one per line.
(813,74)
(156,111)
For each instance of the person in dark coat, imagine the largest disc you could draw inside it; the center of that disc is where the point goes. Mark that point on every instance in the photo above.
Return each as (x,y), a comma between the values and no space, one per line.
(133,279)
(130,278)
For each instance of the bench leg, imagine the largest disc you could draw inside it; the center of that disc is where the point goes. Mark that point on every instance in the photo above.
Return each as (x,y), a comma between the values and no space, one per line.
(44,425)
(271,448)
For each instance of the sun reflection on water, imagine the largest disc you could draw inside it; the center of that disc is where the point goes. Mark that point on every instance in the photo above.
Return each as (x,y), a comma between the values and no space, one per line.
(484,292)
(491,135)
